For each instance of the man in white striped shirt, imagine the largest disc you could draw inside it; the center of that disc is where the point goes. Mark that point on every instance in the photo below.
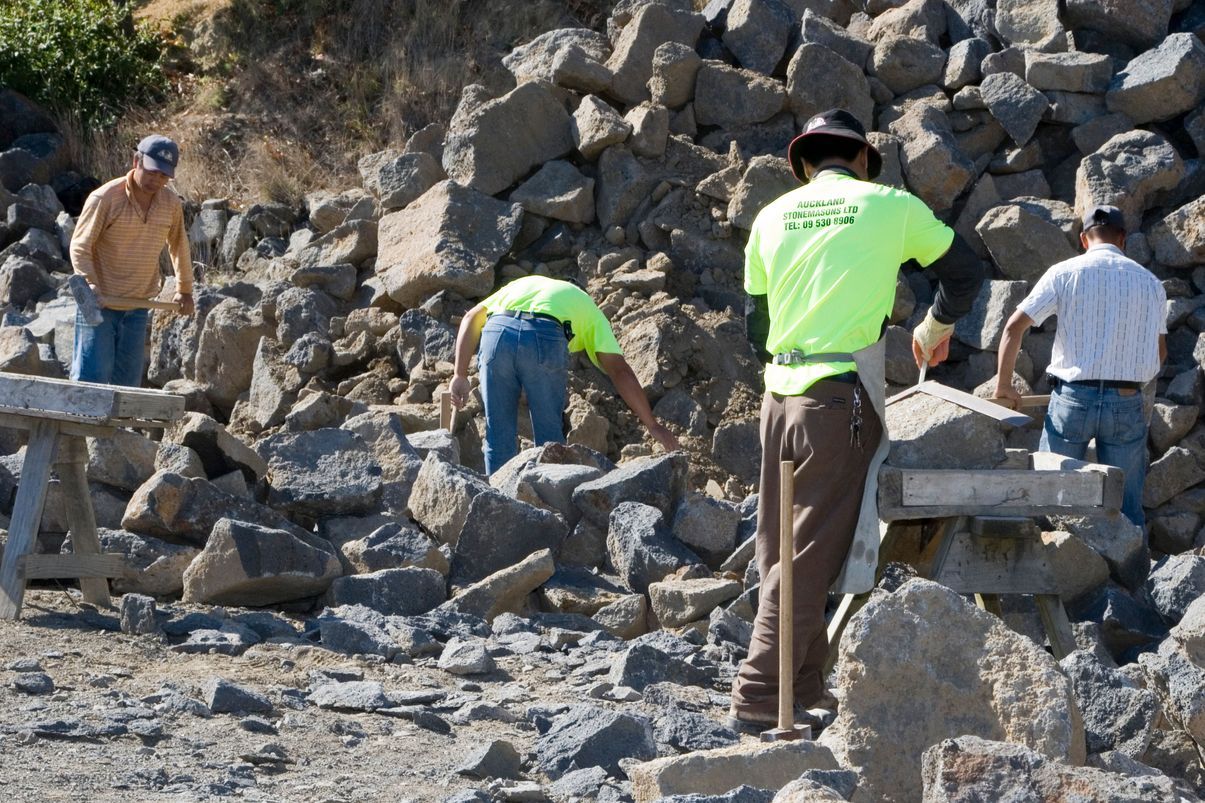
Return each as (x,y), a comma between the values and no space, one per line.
(1110,342)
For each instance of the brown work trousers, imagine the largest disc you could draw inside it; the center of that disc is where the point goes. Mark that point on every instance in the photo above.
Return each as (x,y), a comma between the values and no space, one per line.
(814,431)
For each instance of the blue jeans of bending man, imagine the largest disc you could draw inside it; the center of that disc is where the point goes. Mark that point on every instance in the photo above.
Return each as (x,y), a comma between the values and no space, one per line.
(528,355)
(113,351)
(1116,419)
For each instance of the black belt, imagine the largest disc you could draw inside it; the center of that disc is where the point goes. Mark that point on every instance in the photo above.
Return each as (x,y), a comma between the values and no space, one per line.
(1118,384)
(543,316)
(849,378)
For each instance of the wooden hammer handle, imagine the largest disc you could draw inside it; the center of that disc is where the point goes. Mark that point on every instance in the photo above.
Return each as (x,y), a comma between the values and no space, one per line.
(140,303)
(786,595)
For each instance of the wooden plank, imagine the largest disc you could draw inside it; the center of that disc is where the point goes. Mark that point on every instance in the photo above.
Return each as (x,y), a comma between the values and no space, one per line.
(445,410)
(77,499)
(89,568)
(1006,527)
(974,403)
(87,399)
(1058,626)
(16,418)
(27,515)
(977,564)
(849,605)
(990,603)
(992,488)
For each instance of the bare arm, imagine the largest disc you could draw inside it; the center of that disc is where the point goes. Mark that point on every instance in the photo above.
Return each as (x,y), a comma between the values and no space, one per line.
(1162,348)
(467,338)
(1010,346)
(83,241)
(628,387)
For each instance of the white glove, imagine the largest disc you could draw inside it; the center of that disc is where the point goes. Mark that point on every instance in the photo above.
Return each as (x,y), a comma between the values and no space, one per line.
(929,334)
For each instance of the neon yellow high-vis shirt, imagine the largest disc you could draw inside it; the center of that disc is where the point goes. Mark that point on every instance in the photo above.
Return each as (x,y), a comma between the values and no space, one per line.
(565,302)
(826,256)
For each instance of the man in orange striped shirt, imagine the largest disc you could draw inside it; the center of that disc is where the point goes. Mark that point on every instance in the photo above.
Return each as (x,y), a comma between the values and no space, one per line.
(116,246)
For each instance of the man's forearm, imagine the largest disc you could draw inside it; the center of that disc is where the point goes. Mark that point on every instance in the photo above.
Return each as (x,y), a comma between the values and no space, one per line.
(628,387)
(757,324)
(1010,347)
(467,338)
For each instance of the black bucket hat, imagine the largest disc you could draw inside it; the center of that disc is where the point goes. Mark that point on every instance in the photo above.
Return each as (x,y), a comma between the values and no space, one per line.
(833,123)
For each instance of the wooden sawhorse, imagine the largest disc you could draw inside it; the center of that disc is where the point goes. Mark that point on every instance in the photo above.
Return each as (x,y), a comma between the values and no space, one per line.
(973,532)
(58,415)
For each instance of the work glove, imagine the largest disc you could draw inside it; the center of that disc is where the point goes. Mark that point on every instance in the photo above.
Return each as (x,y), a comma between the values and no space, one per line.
(928,337)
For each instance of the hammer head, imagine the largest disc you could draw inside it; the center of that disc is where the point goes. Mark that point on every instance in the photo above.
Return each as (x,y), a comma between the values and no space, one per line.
(85,299)
(791,734)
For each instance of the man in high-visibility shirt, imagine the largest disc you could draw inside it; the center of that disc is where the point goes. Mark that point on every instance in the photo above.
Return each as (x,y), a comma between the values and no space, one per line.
(526,331)
(116,245)
(820,267)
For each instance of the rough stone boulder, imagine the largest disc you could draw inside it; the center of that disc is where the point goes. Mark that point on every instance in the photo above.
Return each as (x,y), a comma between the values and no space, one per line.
(549,486)
(711,774)
(933,165)
(1022,244)
(1140,25)
(730,97)
(158,567)
(1179,681)
(928,432)
(674,68)
(659,481)
(1125,172)
(844,85)
(442,495)
(983,326)
(1118,714)
(186,509)
(125,460)
(390,447)
(499,532)
(631,61)
(1176,471)
(1015,104)
(1179,239)
(903,63)
(400,178)
(1175,582)
(478,155)
(640,547)
(349,243)
(921,665)
(449,239)
(589,736)
(1190,632)
(1029,22)
(559,191)
(393,546)
(321,473)
(507,589)
(393,592)
(765,179)
(757,31)
(970,768)
(220,452)
(248,564)
(574,58)
(1068,72)
(1161,83)
(680,602)
(226,350)
(708,526)
(596,126)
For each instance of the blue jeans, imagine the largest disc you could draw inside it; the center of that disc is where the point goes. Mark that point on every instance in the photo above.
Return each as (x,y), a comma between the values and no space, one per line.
(112,352)
(530,355)
(1079,413)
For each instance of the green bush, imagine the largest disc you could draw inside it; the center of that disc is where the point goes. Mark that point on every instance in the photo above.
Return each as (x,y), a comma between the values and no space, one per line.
(82,57)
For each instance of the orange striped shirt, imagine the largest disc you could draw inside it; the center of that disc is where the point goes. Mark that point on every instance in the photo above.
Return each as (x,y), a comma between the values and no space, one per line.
(116,248)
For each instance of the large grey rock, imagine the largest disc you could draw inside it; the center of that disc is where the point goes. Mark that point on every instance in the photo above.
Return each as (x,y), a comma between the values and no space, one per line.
(933,165)
(537,130)
(327,211)
(983,326)
(589,736)
(679,602)
(1175,583)
(506,590)
(1022,244)
(1139,24)
(393,546)
(1078,568)
(1068,72)
(537,60)
(674,68)
(1169,423)
(1118,714)
(765,179)
(1161,83)
(138,615)
(650,130)
(226,349)
(626,618)
(1177,471)
(659,481)
(1179,239)
(499,532)
(631,62)
(1179,682)
(497,759)
(706,774)
(186,509)
(352,243)
(1017,105)
(23,281)
(224,697)
(1125,172)
(323,472)
(903,63)
(1125,625)
(844,85)
(400,178)
(756,32)
(158,567)
(1028,22)
(708,526)
(960,671)
(449,239)
(393,592)
(248,564)
(967,768)
(558,190)
(1116,539)
(730,97)
(1190,632)
(220,452)
(466,657)
(351,695)
(125,459)
(442,495)
(686,731)
(549,486)
(596,126)
(390,447)
(641,549)
(274,386)
(928,432)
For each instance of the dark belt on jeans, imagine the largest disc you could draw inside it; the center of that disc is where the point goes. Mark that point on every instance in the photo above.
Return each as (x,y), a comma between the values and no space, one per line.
(1118,384)
(543,316)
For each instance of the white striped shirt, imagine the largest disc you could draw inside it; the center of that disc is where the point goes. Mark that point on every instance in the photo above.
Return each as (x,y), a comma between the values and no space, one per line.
(1111,311)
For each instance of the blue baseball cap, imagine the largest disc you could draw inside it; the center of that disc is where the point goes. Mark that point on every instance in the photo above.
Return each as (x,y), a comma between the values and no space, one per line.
(160,153)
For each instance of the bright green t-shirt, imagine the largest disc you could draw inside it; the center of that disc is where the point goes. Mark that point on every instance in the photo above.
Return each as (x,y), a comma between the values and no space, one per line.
(565,302)
(826,255)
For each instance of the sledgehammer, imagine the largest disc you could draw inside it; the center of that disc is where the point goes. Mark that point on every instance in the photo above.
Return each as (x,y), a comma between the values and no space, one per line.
(787,730)
(90,306)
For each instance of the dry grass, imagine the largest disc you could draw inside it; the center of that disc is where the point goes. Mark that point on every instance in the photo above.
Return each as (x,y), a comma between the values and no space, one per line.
(282,97)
